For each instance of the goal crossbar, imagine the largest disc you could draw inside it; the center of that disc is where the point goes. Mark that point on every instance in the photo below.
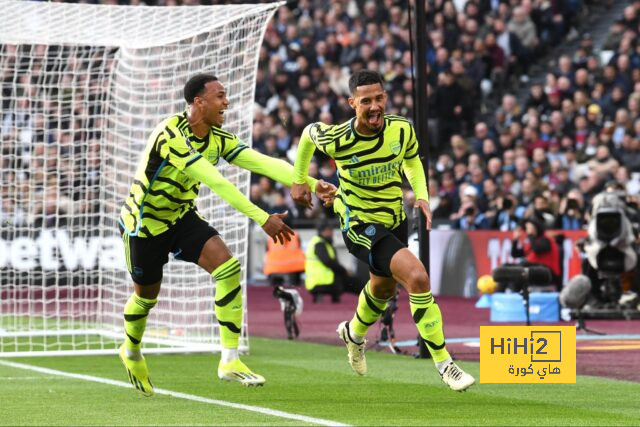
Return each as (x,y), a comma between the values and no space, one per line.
(131,26)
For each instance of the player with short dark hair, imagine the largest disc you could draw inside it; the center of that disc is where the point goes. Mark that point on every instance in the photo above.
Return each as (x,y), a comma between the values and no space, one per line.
(371,152)
(160,216)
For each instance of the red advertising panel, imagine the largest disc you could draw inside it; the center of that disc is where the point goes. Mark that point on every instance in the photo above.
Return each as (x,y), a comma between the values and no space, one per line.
(493,248)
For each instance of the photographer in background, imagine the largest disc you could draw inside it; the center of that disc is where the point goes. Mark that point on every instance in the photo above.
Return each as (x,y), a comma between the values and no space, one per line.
(469,216)
(506,219)
(571,213)
(537,248)
(541,208)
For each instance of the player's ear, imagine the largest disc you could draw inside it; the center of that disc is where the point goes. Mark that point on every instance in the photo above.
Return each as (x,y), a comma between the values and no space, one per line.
(352,102)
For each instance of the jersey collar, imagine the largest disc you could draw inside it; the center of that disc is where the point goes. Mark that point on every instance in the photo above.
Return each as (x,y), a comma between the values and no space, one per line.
(366,137)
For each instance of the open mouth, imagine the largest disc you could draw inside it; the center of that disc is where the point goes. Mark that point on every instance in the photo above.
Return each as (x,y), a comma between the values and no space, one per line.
(374,119)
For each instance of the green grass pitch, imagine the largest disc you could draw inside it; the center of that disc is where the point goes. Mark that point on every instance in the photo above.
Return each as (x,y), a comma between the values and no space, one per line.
(305,379)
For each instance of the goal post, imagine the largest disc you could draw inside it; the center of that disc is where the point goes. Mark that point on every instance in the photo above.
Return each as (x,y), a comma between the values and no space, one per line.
(82,87)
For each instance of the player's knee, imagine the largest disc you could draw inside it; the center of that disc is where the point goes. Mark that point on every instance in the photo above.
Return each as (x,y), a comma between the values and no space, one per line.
(384,293)
(383,289)
(418,281)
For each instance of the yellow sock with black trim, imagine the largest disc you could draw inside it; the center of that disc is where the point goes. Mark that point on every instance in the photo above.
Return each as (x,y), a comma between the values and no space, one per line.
(136,311)
(367,313)
(228,302)
(426,314)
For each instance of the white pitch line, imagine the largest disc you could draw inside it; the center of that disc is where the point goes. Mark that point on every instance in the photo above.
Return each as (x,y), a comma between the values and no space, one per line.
(250,408)
(51,377)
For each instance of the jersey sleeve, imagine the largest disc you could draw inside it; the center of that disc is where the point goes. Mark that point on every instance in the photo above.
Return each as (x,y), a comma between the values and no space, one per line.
(205,172)
(306,148)
(233,147)
(412,144)
(174,146)
(414,172)
(276,169)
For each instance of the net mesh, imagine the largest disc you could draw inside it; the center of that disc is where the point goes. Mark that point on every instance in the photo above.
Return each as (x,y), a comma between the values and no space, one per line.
(82,88)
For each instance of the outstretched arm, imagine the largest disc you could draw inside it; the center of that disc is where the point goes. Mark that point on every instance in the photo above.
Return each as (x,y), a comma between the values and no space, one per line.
(205,172)
(276,169)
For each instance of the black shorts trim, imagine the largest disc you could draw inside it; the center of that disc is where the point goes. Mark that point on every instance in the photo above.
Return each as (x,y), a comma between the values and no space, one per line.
(375,245)
(146,256)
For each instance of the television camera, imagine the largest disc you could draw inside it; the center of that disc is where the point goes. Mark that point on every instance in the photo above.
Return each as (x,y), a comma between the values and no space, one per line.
(291,304)
(609,252)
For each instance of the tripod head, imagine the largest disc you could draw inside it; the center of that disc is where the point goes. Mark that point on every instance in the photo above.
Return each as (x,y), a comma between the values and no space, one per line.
(521,278)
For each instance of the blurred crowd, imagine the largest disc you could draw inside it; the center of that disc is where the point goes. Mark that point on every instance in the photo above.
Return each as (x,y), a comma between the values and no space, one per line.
(496,156)
(546,154)
(50,157)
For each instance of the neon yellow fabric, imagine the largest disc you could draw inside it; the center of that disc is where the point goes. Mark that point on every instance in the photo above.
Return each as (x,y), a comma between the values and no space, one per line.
(228,302)
(276,169)
(136,311)
(369,168)
(161,193)
(428,319)
(369,310)
(306,148)
(316,273)
(205,172)
(415,175)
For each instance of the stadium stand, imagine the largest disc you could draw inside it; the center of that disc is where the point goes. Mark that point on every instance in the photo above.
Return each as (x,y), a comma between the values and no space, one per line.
(505,125)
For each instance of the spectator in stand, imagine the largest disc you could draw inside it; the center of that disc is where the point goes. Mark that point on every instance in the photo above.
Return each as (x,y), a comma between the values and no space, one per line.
(537,99)
(490,200)
(450,100)
(543,209)
(511,45)
(506,219)
(459,149)
(532,244)
(480,133)
(523,27)
(476,180)
(494,169)
(527,193)
(603,164)
(469,216)
(629,153)
(571,212)
(615,35)
(449,196)
(311,47)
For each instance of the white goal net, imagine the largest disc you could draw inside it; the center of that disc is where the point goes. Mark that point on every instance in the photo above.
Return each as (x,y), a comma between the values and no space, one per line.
(82,86)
